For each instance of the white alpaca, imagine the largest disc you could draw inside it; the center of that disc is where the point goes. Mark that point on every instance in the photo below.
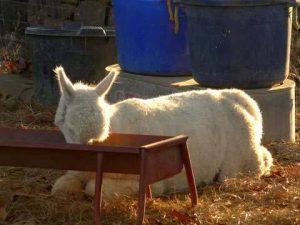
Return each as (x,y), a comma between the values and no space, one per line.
(224,126)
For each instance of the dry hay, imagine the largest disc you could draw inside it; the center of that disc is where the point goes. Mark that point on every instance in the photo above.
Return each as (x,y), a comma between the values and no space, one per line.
(274,199)
(15,88)
(27,116)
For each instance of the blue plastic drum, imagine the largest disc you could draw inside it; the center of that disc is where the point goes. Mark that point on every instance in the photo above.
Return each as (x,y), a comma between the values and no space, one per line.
(146,41)
(239,43)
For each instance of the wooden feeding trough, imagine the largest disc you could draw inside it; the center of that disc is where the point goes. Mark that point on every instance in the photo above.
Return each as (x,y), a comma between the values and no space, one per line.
(154,158)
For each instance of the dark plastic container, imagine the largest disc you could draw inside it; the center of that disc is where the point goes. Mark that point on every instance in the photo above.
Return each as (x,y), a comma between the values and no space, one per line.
(239,43)
(146,40)
(84,52)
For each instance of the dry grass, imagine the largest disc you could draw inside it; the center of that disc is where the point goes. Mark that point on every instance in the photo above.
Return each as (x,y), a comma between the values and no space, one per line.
(23,115)
(274,199)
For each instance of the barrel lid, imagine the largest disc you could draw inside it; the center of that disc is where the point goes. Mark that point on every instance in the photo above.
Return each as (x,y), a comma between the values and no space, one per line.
(237,2)
(71,31)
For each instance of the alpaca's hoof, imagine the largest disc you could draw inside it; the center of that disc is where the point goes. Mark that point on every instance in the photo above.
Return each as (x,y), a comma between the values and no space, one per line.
(90,188)
(67,186)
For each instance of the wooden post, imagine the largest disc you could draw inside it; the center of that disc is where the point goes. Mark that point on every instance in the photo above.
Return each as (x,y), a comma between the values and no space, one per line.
(142,188)
(98,190)
(189,174)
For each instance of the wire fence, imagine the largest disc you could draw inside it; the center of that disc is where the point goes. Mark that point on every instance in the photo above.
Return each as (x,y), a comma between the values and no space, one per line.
(16,15)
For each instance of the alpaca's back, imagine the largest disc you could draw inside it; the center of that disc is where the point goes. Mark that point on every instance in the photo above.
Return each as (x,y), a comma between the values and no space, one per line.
(184,112)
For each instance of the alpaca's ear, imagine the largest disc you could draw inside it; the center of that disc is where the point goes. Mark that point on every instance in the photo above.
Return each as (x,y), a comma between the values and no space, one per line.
(104,86)
(65,85)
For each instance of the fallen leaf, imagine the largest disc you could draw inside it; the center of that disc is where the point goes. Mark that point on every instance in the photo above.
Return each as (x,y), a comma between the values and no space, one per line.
(183,218)
(293,170)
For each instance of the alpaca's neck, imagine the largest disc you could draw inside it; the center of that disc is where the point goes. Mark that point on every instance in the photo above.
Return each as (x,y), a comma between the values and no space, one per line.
(123,116)
(114,120)
(105,111)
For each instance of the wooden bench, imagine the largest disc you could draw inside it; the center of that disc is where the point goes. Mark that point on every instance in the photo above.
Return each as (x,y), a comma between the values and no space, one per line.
(154,158)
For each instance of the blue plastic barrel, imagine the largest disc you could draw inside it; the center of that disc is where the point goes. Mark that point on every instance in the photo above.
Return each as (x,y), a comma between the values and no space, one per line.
(146,41)
(239,43)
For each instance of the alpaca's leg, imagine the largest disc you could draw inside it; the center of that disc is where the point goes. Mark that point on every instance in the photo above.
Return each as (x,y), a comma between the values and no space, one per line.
(71,183)
(230,168)
(67,185)
(114,186)
(257,161)
(260,161)
(268,160)
(90,188)
(228,171)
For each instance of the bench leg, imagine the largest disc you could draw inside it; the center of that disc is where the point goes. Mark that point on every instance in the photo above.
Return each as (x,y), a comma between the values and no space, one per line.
(189,174)
(142,190)
(98,190)
(149,192)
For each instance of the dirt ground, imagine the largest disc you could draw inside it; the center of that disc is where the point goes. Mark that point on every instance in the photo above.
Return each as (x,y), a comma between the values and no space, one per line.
(25,193)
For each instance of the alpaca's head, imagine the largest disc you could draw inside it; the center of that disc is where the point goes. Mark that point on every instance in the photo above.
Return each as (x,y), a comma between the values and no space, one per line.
(83,114)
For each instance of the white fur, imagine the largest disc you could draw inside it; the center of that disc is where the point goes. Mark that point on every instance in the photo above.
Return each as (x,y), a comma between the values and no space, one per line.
(68,185)
(224,126)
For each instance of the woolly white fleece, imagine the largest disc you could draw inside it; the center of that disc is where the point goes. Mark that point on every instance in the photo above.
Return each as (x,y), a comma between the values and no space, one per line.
(224,126)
